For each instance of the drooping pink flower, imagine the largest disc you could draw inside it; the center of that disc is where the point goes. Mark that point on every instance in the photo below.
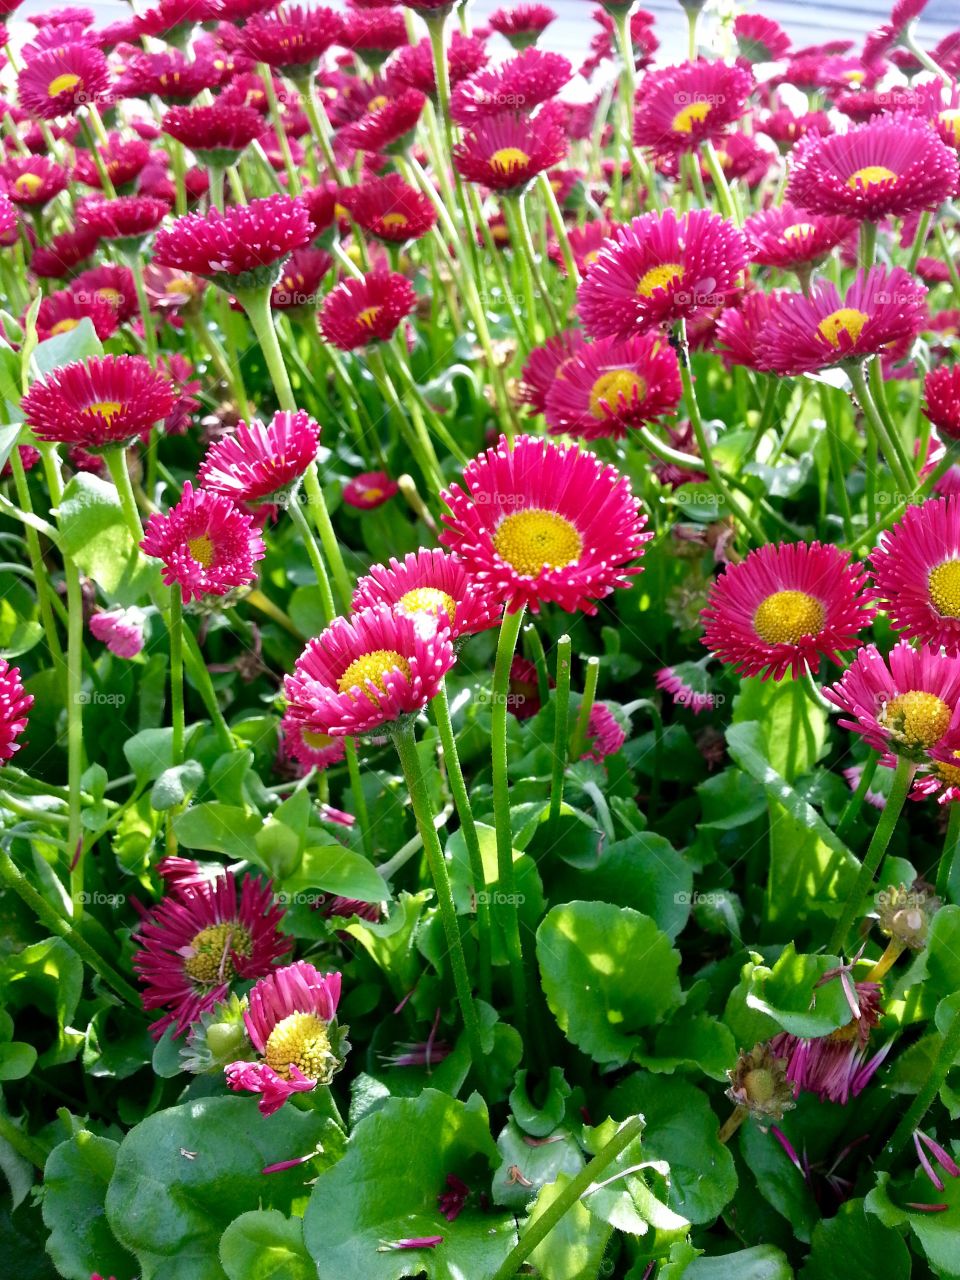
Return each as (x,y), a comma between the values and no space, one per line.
(121,630)
(14,705)
(760,39)
(605,733)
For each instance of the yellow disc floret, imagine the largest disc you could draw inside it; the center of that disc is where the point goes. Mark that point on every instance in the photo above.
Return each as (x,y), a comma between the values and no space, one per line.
(785,617)
(509,161)
(871,175)
(300,1040)
(202,550)
(612,388)
(533,540)
(845,320)
(918,718)
(427,600)
(371,668)
(63,84)
(660,277)
(943,585)
(687,117)
(209,959)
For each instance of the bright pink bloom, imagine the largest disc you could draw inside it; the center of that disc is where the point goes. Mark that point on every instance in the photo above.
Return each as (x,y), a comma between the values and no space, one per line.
(522,24)
(760,39)
(413,68)
(683,684)
(32,180)
(14,705)
(58,81)
(216,133)
(360,311)
(836,1067)
(121,630)
(293,38)
(543,365)
(605,733)
(916,569)
(942,399)
(61,312)
(257,462)
(315,750)
(789,238)
(368,490)
(429,581)
(110,283)
(389,209)
(123,218)
(385,128)
(516,86)
(681,107)
(609,387)
(506,152)
(100,403)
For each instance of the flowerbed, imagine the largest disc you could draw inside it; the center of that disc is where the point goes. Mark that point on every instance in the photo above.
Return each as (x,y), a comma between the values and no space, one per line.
(480,632)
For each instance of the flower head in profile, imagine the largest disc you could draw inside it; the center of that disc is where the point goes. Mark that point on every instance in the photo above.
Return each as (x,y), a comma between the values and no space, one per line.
(506,152)
(63,311)
(207,545)
(516,86)
(360,311)
(784,608)
(895,165)
(243,248)
(299,286)
(385,128)
(112,284)
(880,310)
(312,749)
(200,938)
(63,253)
(916,571)
(258,461)
(522,24)
(608,387)
(171,76)
(124,159)
(942,399)
(291,38)
(429,581)
(55,82)
(125,218)
(368,670)
(32,180)
(661,268)
(101,403)
(789,238)
(374,33)
(605,734)
(544,363)
(681,107)
(904,704)
(291,1021)
(413,67)
(760,39)
(389,209)
(217,133)
(739,326)
(121,630)
(542,523)
(14,705)
(369,490)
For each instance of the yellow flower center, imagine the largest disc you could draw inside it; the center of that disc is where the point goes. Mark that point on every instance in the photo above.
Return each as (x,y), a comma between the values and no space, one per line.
(373,494)
(786,616)
(613,390)
(202,550)
(340,211)
(590,258)
(846,320)
(943,585)
(871,176)
(62,84)
(300,1040)
(394,219)
(949,773)
(318,741)
(798,230)
(112,297)
(509,160)
(368,317)
(64,326)
(854,77)
(208,960)
(661,277)
(427,600)
(381,100)
(28,184)
(371,668)
(533,540)
(687,117)
(919,718)
(950,119)
(103,408)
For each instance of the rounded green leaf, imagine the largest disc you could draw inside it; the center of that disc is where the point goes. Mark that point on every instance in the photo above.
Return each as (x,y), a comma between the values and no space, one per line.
(75,1182)
(265,1245)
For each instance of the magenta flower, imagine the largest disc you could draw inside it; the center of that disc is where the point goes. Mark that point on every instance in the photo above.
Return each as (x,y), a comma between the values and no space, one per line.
(259,462)
(681,107)
(916,569)
(14,705)
(429,581)
(358,312)
(100,403)
(121,630)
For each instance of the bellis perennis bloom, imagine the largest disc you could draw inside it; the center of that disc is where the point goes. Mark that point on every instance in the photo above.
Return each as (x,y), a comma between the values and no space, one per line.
(608,387)
(916,569)
(366,310)
(541,523)
(429,581)
(14,705)
(680,107)
(257,462)
(101,403)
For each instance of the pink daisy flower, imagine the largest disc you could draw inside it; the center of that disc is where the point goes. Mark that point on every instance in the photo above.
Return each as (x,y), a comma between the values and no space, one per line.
(315,750)
(368,670)
(374,33)
(836,1067)
(739,327)
(100,403)
(121,630)
(123,158)
(786,129)
(63,253)
(291,1022)
(14,705)
(760,39)
(413,68)
(585,243)
(806,333)
(32,180)
(369,490)
(661,268)
(360,311)
(386,128)
(942,399)
(217,133)
(57,81)
(904,704)
(506,152)
(544,363)
(291,39)
(516,86)
(784,608)
(916,571)
(523,24)
(127,218)
(299,286)
(202,937)
(605,732)
(608,387)
(208,546)
(62,312)
(542,523)
(390,209)
(242,248)
(259,462)
(893,165)
(171,76)
(687,685)
(429,581)
(681,107)
(789,238)
(875,795)
(111,284)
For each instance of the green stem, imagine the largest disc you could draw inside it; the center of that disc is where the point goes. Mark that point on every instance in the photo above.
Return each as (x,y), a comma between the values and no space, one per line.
(571,1194)
(320,129)
(944,1062)
(293,175)
(855,803)
(868,244)
(461,799)
(359,799)
(561,735)
(899,791)
(143,302)
(418,442)
(721,186)
(217,174)
(116,460)
(919,240)
(506,645)
(539,659)
(876,423)
(316,560)
(256,304)
(581,730)
(406,744)
(41,579)
(908,40)
(328,538)
(947,253)
(950,844)
(14,879)
(879,393)
(176,672)
(527,336)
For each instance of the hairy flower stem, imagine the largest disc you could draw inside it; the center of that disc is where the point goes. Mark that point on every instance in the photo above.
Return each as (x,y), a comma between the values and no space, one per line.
(581,730)
(41,579)
(362,813)
(878,427)
(855,803)
(405,741)
(561,702)
(327,605)
(328,538)
(468,826)
(899,791)
(572,1193)
(507,908)
(942,1064)
(948,856)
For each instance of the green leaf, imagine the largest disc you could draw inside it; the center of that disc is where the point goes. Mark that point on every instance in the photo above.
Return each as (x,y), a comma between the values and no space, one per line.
(789,994)
(78,343)
(48,976)
(574,1249)
(608,973)
(283,837)
(176,785)
(150,752)
(16,1060)
(681,1128)
(184,1174)
(385,1189)
(75,1182)
(793,730)
(937,1232)
(94,532)
(779,1181)
(540,1121)
(340,871)
(762,1262)
(265,1245)
(219,828)
(524,1169)
(856,1246)
(693,1041)
(19,628)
